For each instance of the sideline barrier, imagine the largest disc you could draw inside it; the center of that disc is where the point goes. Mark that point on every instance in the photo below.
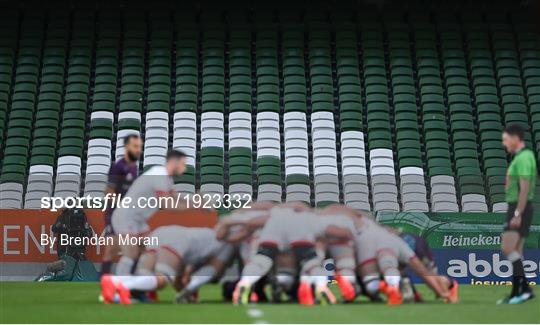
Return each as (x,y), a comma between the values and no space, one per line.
(21,231)
(467,245)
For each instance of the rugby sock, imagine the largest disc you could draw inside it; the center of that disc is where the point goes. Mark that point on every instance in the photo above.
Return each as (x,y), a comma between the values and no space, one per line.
(518,273)
(258,290)
(520,279)
(392,277)
(285,280)
(125,265)
(141,282)
(259,266)
(371,284)
(200,277)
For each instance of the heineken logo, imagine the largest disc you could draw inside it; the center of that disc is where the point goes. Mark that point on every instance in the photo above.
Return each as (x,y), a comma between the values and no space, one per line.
(469,241)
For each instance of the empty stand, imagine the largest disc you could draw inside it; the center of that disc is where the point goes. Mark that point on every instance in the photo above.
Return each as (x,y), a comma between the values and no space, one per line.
(397,108)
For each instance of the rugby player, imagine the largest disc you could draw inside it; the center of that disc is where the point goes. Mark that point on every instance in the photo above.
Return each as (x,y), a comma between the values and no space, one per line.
(178,248)
(424,254)
(132,221)
(380,253)
(121,175)
(520,187)
(287,228)
(342,252)
(241,237)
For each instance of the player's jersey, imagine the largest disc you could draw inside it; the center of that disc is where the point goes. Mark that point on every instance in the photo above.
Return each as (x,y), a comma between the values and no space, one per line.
(121,175)
(248,247)
(367,224)
(194,245)
(151,185)
(374,239)
(286,227)
(341,221)
(247,214)
(420,247)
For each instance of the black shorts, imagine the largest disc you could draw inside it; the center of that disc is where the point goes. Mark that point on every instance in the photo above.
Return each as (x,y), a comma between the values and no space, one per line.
(526,219)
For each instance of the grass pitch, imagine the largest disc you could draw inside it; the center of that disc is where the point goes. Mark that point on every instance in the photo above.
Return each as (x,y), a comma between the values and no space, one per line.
(29,302)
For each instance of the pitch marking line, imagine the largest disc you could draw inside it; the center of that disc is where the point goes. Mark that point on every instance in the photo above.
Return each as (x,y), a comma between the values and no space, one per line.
(257,315)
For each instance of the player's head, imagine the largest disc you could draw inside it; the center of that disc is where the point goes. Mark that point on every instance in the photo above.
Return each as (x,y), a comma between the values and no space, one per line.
(176,162)
(132,147)
(513,137)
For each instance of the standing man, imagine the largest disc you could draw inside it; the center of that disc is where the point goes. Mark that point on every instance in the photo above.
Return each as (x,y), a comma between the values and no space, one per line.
(121,175)
(132,221)
(520,185)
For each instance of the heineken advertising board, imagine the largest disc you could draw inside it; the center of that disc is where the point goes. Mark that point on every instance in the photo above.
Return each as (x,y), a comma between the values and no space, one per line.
(467,245)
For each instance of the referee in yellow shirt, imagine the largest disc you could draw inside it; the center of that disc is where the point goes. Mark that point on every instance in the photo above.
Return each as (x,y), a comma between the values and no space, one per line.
(520,185)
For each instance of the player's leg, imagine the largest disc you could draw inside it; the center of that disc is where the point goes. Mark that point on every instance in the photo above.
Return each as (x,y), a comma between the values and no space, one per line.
(523,291)
(154,273)
(511,248)
(205,274)
(311,274)
(434,281)
(371,278)
(345,263)
(126,227)
(127,261)
(259,265)
(110,252)
(110,285)
(285,276)
(387,262)
(365,245)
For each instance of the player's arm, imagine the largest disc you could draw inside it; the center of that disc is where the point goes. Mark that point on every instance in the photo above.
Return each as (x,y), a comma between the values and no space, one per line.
(252,223)
(211,270)
(247,226)
(524,187)
(428,277)
(338,232)
(238,236)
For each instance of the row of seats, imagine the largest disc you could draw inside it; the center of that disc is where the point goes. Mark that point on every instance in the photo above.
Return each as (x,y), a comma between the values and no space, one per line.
(384,111)
(103,106)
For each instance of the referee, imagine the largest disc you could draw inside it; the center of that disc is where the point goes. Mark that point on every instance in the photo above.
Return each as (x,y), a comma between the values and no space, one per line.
(520,185)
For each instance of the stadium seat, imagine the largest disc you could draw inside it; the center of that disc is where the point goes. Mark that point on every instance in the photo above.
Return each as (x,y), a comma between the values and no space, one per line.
(381,167)
(102,118)
(51,91)
(398,108)
(72,135)
(240,110)
(269,173)
(19,126)
(409,155)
